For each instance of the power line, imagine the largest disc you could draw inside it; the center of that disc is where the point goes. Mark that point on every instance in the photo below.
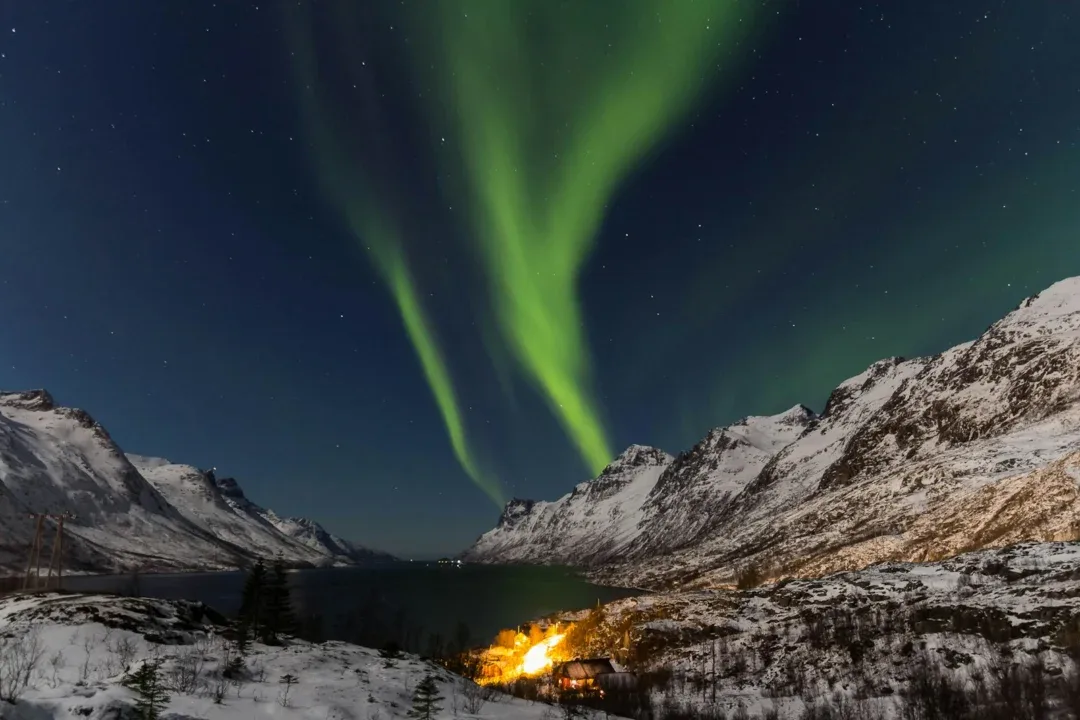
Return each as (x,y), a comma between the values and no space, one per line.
(32,579)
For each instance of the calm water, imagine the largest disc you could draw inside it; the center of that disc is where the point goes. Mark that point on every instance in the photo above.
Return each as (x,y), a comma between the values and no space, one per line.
(405,602)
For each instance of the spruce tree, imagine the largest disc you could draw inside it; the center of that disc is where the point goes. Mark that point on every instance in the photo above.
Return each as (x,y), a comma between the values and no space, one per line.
(425,700)
(252,600)
(152,695)
(243,636)
(277,606)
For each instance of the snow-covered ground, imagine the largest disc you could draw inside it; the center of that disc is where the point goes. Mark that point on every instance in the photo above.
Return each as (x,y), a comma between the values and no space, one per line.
(863,639)
(75,650)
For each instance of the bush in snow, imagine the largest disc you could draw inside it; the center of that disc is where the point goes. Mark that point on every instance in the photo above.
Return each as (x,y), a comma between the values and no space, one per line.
(287,681)
(20,652)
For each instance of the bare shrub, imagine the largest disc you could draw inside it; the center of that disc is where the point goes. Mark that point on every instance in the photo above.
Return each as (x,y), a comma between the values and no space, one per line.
(185,675)
(125,649)
(20,653)
(219,687)
(287,681)
(89,644)
(120,653)
(56,663)
(258,672)
(475,697)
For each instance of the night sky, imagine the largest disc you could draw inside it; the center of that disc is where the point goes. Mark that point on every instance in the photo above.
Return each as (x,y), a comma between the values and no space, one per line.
(391,263)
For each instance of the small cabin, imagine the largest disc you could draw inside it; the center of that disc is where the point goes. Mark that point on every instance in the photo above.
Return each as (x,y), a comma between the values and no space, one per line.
(592,675)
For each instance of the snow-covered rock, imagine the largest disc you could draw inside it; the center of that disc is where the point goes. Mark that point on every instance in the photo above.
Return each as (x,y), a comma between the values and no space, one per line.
(129,511)
(909,460)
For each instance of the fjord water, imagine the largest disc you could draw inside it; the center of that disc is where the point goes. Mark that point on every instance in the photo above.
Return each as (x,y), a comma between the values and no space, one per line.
(399,599)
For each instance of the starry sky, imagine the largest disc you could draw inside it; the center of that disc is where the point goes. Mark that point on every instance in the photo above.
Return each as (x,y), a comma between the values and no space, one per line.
(393,263)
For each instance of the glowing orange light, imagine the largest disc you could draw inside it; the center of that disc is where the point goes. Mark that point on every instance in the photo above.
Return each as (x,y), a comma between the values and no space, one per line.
(537,658)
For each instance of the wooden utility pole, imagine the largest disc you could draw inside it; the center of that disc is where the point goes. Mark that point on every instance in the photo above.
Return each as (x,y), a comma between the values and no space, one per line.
(35,550)
(32,580)
(57,558)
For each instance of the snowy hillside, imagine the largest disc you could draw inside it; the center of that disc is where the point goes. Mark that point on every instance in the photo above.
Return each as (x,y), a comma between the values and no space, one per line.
(127,511)
(219,504)
(593,523)
(989,628)
(910,460)
(644,500)
(76,651)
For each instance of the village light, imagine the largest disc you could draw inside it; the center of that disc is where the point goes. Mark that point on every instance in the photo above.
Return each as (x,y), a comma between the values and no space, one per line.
(537,659)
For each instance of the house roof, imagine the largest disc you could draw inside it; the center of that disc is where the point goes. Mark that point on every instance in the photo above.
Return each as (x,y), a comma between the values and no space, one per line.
(585,669)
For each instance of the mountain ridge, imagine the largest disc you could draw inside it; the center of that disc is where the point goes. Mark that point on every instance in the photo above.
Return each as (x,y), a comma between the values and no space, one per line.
(131,511)
(904,438)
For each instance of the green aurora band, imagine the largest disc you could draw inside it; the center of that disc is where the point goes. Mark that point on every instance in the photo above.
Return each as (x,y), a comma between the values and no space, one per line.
(355,195)
(554,104)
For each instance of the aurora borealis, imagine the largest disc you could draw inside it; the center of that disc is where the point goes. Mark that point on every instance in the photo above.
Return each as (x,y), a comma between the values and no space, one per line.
(551,105)
(549,128)
(416,258)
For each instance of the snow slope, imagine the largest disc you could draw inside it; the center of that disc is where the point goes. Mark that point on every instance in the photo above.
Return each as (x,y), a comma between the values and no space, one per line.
(980,438)
(643,500)
(86,644)
(219,504)
(126,511)
(860,639)
(593,523)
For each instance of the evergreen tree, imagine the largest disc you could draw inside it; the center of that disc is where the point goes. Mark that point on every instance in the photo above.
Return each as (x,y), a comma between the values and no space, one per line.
(277,612)
(426,699)
(152,695)
(390,652)
(243,636)
(234,668)
(252,600)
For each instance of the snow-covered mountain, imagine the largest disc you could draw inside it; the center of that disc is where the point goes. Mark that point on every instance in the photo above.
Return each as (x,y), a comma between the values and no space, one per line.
(910,460)
(130,511)
(220,504)
(643,501)
(594,523)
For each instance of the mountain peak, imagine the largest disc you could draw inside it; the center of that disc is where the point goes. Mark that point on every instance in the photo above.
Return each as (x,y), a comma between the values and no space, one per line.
(230,488)
(767,432)
(1055,309)
(514,509)
(797,415)
(28,399)
(638,456)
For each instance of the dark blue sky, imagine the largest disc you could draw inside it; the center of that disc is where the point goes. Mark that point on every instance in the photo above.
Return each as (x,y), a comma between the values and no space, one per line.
(866,180)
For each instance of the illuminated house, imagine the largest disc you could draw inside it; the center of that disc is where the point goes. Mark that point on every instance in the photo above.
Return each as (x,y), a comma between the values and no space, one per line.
(583,675)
